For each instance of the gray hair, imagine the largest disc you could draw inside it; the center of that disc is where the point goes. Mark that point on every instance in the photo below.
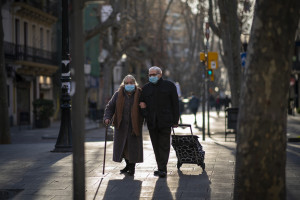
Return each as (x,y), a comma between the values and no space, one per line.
(157,69)
(129,76)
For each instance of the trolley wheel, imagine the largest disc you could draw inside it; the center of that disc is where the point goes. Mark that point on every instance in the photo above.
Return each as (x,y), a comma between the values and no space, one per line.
(179,165)
(203,166)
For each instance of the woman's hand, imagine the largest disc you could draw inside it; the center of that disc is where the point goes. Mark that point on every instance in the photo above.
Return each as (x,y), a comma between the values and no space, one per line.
(143,105)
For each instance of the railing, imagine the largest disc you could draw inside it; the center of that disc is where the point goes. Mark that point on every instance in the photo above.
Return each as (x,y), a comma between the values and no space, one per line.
(25,53)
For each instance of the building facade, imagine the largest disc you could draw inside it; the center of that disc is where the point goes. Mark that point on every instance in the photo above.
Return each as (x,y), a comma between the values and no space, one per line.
(30,56)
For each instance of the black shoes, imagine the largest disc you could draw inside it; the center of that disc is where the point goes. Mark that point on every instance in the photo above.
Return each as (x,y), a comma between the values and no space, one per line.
(129,168)
(122,171)
(126,167)
(161,174)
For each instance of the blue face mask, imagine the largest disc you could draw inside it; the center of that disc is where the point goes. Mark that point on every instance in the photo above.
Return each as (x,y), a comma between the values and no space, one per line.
(153,79)
(129,88)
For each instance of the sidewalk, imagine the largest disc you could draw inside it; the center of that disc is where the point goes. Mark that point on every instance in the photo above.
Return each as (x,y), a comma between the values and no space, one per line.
(25,134)
(31,171)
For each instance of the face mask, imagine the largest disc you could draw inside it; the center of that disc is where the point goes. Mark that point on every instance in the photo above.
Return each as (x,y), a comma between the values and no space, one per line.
(129,88)
(153,79)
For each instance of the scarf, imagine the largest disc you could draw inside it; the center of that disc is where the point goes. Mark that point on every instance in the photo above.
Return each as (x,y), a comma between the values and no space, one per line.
(135,116)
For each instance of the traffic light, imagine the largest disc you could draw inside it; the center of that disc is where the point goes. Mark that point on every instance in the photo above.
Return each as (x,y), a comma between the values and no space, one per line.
(210,74)
(202,56)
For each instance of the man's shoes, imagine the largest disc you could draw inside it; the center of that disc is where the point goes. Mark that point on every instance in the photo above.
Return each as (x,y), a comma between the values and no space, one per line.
(161,174)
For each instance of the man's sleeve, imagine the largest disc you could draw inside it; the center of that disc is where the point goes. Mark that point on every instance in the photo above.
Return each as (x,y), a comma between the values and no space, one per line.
(175,104)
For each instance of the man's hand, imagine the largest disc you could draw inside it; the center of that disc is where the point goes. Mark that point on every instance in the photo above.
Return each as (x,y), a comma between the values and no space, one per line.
(175,125)
(107,122)
(143,105)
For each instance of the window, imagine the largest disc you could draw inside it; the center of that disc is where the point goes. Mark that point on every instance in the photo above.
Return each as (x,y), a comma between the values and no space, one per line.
(41,38)
(48,40)
(8,101)
(25,34)
(17,31)
(33,37)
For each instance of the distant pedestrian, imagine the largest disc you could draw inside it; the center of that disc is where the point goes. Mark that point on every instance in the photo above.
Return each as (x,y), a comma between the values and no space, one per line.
(218,105)
(226,102)
(193,106)
(159,100)
(181,108)
(123,110)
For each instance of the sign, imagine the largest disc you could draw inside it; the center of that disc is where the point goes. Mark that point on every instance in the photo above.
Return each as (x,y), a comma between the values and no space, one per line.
(243,59)
(202,56)
(213,64)
(212,58)
(207,32)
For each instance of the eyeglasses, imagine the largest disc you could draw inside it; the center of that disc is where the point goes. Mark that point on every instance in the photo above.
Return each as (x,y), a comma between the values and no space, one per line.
(152,75)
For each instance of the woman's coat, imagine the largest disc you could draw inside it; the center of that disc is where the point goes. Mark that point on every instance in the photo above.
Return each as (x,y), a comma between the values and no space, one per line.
(125,131)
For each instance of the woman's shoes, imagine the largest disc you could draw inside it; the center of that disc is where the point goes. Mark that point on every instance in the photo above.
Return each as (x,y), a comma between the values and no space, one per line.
(122,171)
(126,167)
(129,168)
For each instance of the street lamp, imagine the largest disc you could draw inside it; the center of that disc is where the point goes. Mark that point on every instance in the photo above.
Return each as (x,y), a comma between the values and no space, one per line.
(64,140)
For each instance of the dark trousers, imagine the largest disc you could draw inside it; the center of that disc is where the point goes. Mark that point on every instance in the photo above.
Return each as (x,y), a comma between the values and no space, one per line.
(160,139)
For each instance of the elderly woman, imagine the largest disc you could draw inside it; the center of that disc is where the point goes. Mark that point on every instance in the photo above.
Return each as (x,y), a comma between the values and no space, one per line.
(123,110)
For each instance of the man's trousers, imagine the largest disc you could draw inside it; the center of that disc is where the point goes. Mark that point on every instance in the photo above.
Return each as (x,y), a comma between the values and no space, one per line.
(160,139)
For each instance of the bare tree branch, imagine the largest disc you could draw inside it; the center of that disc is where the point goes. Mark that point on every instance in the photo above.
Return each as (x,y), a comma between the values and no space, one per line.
(212,24)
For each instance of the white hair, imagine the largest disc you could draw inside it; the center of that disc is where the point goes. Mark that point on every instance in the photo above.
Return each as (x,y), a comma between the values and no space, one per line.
(129,76)
(157,69)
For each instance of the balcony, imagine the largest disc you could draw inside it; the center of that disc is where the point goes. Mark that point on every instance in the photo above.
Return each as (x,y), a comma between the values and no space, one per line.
(33,61)
(22,53)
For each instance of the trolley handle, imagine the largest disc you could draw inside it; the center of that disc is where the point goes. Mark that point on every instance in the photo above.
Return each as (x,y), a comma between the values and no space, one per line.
(183,125)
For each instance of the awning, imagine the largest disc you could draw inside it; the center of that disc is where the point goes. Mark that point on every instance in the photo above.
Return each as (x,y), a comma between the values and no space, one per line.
(35,69)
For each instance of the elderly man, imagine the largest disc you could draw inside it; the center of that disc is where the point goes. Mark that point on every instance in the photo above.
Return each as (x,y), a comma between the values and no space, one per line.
(160,105)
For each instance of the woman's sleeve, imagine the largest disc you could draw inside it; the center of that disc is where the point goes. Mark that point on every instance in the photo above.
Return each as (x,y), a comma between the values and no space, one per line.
(110,107)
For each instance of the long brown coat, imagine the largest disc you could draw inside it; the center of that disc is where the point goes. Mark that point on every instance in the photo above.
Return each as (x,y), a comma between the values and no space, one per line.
(125,133)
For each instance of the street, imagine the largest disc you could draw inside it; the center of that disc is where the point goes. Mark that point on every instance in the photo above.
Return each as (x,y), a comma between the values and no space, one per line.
(29,170)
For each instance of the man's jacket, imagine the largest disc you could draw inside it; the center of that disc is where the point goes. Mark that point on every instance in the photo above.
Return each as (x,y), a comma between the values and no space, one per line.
(162,105)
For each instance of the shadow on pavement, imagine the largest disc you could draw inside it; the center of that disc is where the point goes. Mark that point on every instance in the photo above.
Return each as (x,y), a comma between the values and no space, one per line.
(123,189)
(162,190)
(31,170)
(193,186)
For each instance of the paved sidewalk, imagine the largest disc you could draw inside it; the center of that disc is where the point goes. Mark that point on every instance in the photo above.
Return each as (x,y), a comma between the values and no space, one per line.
(31,171)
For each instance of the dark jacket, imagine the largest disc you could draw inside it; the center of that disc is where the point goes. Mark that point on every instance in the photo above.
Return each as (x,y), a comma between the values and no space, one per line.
(162,105)
(194,104)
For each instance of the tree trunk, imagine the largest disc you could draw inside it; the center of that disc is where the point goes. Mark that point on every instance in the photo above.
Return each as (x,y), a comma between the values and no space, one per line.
(261,139)
(230,35)
(4,119)
(78,100)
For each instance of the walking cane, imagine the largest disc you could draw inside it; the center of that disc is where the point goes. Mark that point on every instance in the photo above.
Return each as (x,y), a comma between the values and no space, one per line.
(106,129)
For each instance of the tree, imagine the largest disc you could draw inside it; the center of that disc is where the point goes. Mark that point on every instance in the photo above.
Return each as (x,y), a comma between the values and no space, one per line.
(134,28)
(228,31)
(4,119)
(261,139)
